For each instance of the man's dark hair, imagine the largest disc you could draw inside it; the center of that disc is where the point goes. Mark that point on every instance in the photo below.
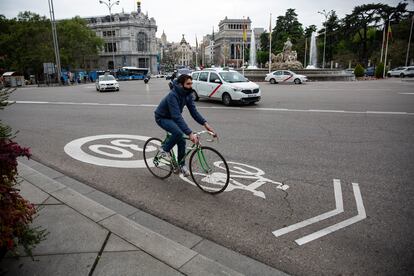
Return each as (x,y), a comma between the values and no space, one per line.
(183,78)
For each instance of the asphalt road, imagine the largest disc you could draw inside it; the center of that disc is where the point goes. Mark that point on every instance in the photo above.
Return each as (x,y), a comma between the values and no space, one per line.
(302,136)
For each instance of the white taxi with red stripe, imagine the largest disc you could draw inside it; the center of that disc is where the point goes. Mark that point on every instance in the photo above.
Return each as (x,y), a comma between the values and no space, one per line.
(224,85)
(281,76)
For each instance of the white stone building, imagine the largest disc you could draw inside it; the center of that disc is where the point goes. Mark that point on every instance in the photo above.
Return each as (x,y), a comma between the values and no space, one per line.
(129,39)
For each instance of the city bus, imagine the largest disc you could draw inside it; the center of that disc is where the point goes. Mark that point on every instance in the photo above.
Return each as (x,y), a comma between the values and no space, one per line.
(131,73)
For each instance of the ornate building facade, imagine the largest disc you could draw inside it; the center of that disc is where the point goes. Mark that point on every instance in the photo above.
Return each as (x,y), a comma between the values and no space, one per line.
(129,39)
(228,43)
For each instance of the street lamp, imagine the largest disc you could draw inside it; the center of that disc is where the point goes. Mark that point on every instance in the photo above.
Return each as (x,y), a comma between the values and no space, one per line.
(109,5)
(326,14)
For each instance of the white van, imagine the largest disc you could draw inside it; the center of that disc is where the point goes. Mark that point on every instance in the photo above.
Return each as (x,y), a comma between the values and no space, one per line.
(227,86)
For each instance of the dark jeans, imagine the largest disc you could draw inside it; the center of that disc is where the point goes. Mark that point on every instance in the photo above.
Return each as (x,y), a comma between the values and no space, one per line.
(176,137)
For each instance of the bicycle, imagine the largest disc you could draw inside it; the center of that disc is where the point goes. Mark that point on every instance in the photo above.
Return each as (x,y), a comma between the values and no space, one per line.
(208,168)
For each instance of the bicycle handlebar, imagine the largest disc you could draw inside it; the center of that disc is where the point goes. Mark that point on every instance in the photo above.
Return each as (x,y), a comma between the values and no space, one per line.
(210,133)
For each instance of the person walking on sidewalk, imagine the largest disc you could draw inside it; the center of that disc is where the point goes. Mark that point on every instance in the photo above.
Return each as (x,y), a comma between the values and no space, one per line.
(168,116)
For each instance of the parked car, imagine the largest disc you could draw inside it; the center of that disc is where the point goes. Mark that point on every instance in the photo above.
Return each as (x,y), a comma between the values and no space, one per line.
(350,70)
(106,83)
(223,85)
(285,76)
(407,72)
(370,72)
(396,72)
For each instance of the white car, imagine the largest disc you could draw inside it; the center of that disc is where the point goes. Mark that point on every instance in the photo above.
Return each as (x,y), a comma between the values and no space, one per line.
(227,86)
(407,72)
(106,83)
(396,72)
(285,76)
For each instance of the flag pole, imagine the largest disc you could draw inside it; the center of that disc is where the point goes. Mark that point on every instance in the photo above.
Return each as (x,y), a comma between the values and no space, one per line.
(270,43)
(409,41)
(196,55)
(386,49)
(244,30)
(383,41)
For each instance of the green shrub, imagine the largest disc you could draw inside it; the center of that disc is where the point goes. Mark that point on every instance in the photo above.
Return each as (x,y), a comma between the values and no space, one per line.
(379,71)
(359,71)
(16,213)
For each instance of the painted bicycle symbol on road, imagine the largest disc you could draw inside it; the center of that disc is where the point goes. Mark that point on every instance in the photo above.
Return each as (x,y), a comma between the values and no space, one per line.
(124,151)
(241,173)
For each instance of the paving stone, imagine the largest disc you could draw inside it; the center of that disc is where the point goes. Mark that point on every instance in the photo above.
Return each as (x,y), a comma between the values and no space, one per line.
(131,263)
(31,193)
(24,170)
(115,243)
(235,260)
(46,170)
(56,265)
(166,229)
(51,201)
(112,203)
(158,246)
(202,266)
(76,185)
(82,204)
(43,182)
(69,231)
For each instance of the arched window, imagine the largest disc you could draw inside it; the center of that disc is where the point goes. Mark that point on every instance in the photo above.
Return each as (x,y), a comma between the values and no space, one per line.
(142,42)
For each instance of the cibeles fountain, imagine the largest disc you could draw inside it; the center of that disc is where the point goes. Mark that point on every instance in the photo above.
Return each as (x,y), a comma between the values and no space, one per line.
(288,60)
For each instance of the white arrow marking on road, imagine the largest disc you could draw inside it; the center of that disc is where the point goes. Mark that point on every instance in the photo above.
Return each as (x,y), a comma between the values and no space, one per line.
(339,209)
(361,215)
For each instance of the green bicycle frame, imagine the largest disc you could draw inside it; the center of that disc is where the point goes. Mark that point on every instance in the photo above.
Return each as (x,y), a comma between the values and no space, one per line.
(200,155)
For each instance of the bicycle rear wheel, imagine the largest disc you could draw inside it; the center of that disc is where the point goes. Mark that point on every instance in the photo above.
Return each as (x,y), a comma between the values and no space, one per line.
(159,167)
(209,170)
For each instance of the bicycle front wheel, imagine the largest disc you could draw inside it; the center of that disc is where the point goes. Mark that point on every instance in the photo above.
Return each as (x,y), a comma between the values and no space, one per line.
(209,170)
(159,167)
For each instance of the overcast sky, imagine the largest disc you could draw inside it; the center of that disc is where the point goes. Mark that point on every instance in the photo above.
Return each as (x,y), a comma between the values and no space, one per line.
(193,17)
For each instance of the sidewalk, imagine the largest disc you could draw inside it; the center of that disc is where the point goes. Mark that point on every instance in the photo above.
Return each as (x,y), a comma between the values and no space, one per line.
(92,233)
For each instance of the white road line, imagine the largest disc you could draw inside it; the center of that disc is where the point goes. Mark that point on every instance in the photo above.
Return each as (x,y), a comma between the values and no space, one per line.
(339,209)
(224,108)
(386,112)
(361,215)
(406,93)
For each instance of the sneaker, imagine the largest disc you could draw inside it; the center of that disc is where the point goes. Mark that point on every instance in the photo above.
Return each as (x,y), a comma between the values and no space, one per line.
(162,154)
(185,171)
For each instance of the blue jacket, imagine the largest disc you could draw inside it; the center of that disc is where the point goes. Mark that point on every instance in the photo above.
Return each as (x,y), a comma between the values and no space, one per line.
(173,104)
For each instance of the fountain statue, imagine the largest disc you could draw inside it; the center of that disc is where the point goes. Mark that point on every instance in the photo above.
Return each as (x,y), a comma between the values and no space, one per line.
(252,59)
(287,59)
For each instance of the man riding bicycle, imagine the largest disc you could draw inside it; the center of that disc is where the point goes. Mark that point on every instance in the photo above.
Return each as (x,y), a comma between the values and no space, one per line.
(168,116)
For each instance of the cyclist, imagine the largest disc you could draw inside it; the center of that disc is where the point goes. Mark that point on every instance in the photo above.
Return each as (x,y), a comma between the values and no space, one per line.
(168,117)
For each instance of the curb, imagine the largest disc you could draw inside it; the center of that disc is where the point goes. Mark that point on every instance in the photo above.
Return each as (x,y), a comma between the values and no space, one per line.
(181,251)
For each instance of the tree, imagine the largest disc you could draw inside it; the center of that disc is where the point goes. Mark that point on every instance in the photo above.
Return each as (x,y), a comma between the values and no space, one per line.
(262,57)
(358,22)
(264,41)
(30,43)
(287,26)
(332,26)
(77,43)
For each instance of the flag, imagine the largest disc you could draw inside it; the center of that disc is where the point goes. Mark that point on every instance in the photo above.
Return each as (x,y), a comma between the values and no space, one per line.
(244,32)
(270,25)
(389,32)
